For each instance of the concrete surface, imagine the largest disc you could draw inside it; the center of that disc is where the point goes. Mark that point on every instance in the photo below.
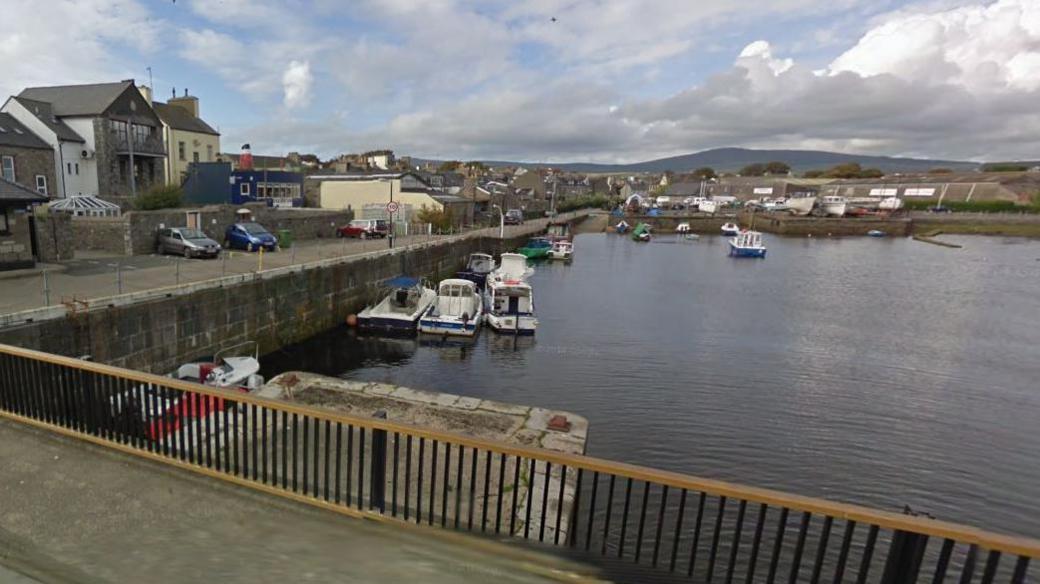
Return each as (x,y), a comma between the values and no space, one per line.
(75,512)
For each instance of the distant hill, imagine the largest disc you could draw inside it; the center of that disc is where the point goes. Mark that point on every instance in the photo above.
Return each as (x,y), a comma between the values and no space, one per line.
(733,159)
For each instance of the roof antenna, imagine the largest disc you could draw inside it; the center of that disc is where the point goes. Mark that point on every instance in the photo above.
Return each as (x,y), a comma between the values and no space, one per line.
(174,92)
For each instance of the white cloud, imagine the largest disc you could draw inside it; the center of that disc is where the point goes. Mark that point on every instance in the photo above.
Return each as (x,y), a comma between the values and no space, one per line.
(296,84)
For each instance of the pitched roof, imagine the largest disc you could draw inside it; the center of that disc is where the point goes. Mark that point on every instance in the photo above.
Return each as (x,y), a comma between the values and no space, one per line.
(13,133)
(12,192)
(179,118)
(78,100)
(45,113)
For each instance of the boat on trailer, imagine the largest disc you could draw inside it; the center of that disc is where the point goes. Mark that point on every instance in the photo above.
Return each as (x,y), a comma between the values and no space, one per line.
(400,309)
(477,269)
(510,298)
(747,244)
(457,310)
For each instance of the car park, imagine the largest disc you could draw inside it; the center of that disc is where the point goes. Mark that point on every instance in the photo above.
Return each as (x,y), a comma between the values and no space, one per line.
(250,237)
(188,242)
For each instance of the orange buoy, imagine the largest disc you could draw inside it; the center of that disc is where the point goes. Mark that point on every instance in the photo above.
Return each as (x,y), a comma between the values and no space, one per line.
(352,320)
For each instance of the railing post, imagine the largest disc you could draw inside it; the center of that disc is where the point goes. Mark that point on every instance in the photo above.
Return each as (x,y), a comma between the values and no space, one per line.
(904,558)
(377,488)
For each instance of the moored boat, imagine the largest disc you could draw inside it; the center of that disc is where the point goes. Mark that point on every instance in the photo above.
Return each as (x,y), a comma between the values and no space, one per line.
(536,247)
(730,229)
(621,227)
(509,298)
(641,232)
(456,311)
(747,244)
(400,309)
(561,250)
(477,269)
(876,233)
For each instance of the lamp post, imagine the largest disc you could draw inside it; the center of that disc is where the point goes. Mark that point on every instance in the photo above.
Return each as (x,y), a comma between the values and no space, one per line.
(501,222)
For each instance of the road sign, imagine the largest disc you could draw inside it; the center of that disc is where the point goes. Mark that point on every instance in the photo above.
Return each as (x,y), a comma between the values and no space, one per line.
(391,207)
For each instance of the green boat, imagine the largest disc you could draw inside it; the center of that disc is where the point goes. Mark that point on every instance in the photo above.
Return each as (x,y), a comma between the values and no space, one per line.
(641,232)
(537,247)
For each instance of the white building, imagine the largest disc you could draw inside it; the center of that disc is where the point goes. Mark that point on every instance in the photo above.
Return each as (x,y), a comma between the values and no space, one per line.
(74,164)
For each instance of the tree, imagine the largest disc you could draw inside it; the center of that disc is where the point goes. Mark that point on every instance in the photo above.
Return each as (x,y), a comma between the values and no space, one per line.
(441,220)
(871,173)
(814,173)
(756,169)
(776,167)
(476,165)
(449,166)
(847,170)
(1004,167)
(705,173)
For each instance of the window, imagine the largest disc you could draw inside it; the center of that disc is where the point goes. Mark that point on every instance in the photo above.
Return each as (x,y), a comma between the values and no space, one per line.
(69,165)
(41,184)
(5,227)
(209,153)
(77,169)
(8,168)
(180,151)
(243,189)
(195,156)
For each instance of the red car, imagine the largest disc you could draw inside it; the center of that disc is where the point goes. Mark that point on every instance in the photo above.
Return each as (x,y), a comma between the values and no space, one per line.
(364,228)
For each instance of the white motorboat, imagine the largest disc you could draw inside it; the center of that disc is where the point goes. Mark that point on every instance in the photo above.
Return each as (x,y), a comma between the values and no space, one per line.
(456,311)
(561,250)
(477,268)
(708,207)
(730,229)
(747,244)
(890,204)
(834,205)
(801,203)
(682,228)
(510,299)
(398,311)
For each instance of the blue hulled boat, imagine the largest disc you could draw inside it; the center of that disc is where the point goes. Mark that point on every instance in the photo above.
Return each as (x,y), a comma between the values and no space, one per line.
(747,244)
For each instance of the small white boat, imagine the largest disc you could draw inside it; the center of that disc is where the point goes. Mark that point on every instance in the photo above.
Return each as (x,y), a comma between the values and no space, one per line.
(477,268)
(801,204)
(682,228)
(510,299)
(398,311)
(457,310)
(747,244)
(890,204)
(834,205)
(561,250)
(230,368)
(708,207)
(621,227)
(730,229)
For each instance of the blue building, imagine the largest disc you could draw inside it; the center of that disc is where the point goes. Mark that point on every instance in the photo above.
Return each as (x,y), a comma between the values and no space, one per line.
(208,183)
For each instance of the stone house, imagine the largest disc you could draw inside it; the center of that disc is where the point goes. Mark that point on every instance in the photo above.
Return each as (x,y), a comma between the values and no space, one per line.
(68,148)
(24,157)
(533,180)
(122,151)
(18,245)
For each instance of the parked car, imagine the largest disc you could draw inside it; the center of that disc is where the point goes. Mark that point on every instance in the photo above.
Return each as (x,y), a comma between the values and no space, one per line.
(514,217)
(364,228)
(191,243)
(250,237)
(940,209)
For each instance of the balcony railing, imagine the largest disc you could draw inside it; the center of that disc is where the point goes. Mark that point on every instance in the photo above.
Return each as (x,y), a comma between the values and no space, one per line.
(704,530)
(144,145)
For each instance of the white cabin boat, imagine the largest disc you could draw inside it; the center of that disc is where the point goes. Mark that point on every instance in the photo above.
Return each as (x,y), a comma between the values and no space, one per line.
(400,310)
(708,207)
(561,250)
(747,244)
(510,299)
(456,311)
(801,204)
(834,205)
(730,229)
(891,204)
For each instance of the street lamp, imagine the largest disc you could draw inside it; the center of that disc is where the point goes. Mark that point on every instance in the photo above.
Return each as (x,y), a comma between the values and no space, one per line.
(501,222)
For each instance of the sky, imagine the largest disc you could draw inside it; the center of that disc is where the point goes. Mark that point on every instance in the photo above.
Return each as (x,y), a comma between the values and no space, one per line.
(561,80)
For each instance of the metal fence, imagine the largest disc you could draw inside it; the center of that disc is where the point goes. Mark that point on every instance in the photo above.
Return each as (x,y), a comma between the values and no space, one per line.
(690,527)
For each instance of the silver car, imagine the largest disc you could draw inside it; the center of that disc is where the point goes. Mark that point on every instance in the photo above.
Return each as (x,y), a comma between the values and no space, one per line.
(191,243)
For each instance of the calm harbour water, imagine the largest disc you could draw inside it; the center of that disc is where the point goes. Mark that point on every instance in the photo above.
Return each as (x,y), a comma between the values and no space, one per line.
(876,371)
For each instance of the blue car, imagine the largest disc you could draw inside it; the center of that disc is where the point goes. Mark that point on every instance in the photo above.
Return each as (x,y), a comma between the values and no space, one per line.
(250,237)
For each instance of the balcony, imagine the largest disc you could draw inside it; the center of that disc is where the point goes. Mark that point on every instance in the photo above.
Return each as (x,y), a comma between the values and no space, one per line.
(150,144)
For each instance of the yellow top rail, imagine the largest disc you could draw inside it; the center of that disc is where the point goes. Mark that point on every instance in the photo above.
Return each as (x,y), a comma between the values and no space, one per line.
(1021,546)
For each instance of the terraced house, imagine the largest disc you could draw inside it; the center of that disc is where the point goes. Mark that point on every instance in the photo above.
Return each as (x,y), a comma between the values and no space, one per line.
(107,139)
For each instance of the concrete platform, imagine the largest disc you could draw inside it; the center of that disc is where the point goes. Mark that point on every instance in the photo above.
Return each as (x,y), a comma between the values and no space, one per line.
(75,512)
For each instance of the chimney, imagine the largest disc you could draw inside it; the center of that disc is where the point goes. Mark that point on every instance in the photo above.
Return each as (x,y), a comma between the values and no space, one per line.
(146,93)
(189,103)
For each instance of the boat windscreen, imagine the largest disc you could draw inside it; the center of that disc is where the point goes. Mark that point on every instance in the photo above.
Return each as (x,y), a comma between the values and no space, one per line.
(401,282)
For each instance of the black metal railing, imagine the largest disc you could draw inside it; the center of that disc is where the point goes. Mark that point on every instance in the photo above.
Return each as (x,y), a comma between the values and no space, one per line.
(693,528)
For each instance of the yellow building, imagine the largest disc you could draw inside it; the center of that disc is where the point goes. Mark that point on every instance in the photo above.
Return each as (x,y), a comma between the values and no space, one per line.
(367,194)
(188,138)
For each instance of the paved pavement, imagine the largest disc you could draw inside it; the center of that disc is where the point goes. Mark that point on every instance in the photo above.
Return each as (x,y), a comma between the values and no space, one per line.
(71,511)
(98,275)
